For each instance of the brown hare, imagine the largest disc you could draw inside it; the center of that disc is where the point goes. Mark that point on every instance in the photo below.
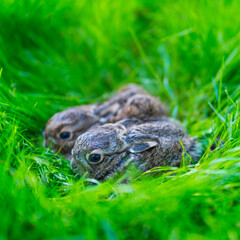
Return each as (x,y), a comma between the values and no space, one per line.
(107,149)
(130,102)
(64,127)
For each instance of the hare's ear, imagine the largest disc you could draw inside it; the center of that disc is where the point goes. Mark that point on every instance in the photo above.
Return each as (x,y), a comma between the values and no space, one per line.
(130,122)
(141,143)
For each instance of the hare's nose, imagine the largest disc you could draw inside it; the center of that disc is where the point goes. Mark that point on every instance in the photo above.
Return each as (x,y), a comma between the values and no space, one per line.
(74,165)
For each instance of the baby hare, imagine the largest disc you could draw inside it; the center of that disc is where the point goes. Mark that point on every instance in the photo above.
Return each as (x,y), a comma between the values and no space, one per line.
(130,102)
(107,149)
(64,127)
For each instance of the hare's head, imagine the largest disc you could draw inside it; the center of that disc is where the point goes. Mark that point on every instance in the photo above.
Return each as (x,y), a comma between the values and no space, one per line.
(107,149)
(64,127)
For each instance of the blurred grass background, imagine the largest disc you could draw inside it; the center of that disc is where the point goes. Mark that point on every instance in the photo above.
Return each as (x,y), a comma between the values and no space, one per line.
(56,54)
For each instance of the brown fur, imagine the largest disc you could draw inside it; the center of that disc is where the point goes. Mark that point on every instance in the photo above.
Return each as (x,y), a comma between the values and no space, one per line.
(130,102)
(147,145)
(73,120)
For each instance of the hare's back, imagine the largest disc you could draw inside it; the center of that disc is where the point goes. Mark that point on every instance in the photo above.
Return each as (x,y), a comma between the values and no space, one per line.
(158,129)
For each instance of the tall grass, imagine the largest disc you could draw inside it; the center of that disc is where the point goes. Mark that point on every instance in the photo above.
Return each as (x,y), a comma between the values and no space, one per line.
(56,54)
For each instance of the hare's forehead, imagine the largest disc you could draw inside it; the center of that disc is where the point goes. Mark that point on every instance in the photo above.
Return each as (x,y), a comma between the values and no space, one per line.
(60,120)
(72,117)
(95,141)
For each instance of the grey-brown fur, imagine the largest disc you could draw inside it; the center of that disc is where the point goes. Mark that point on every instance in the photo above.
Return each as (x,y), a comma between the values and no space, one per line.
(147,145)
(75,120)
(130,102)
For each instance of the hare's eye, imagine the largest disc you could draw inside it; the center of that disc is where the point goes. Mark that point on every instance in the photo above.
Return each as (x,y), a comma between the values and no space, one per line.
(94,158)
(65,135)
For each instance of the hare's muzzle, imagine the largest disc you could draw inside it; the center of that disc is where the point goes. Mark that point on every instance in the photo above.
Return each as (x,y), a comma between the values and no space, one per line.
(79,165)
(74,166)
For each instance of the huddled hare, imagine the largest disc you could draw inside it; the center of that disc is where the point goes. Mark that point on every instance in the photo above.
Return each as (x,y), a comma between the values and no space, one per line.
(130,102)
(107,149)
(64,127)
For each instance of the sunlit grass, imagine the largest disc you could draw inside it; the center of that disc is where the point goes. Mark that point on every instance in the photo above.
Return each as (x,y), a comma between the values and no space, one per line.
(56,54)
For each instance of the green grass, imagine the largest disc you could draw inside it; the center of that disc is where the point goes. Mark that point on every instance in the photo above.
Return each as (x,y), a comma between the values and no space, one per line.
(60,53)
